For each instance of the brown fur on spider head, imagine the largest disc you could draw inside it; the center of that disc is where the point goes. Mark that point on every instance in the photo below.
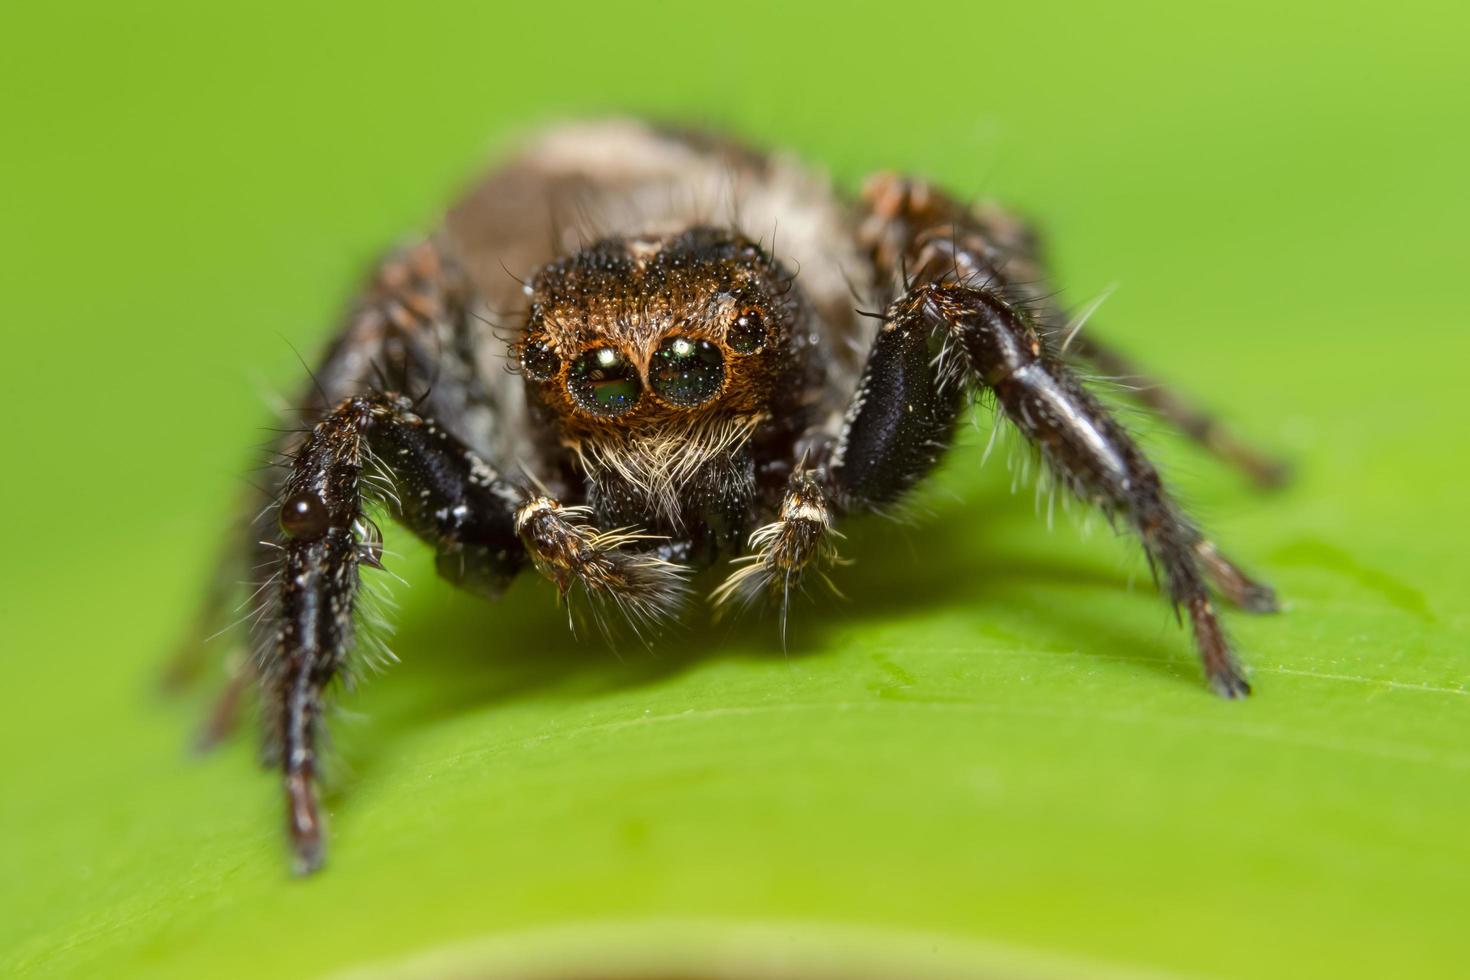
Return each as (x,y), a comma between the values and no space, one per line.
(634,336)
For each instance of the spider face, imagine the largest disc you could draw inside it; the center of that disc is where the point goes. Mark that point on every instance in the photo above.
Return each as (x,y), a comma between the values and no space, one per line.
(658,357)
(655,334)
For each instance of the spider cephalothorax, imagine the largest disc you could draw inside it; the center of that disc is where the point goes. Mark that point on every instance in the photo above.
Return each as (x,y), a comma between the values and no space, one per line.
(678,394)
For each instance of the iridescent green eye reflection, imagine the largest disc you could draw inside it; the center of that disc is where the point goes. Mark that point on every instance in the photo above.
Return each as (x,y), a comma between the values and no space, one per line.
(604,382)
(686,372)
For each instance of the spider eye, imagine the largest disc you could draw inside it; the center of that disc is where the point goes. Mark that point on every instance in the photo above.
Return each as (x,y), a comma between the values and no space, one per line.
(686,372)
(748,333)
(539,362)
(604,382)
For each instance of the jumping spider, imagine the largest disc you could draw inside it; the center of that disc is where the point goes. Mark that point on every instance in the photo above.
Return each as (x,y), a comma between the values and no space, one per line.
(605,366)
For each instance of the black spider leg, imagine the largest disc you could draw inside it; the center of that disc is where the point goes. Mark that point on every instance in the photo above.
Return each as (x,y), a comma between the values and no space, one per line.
(904,413)
(917,234)
(394,333)
(368,446)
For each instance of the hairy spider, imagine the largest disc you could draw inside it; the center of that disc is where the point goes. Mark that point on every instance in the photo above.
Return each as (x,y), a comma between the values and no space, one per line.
(602,370)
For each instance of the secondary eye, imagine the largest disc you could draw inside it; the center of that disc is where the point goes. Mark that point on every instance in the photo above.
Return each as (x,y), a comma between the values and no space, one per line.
(686,372)
(748,333)
(539,362)
(603,382)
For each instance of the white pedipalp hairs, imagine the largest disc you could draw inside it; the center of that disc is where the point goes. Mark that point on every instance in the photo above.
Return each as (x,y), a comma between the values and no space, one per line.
(801,541)
(757,573)
(646,590)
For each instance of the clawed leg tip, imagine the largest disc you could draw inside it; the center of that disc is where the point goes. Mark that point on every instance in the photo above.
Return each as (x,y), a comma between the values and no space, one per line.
(1274,475)
(1260,599)
(177,678)
(204,744)
(307,858)
(1232,687)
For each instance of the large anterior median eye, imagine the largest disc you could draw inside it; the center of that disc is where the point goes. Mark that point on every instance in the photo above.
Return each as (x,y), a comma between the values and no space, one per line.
(686,372)
(604,382)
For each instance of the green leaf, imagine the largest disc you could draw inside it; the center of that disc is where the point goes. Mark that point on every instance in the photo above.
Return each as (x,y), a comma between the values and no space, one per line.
(996,756)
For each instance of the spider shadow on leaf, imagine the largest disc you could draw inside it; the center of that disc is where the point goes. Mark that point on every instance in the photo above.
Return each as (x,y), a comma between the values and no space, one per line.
(469,655)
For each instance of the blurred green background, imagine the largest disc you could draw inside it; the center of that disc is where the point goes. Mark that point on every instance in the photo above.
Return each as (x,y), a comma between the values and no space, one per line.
(997,756)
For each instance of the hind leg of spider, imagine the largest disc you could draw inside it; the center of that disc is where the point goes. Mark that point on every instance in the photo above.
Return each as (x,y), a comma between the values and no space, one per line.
(1238,588)
(189,658)
(374,446)
(224,712)
(1260,467)
(942,336)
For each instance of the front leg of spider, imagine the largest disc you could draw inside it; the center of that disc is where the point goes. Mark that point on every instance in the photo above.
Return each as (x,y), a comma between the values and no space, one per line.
(412,306)
(940,337)
(368,448)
